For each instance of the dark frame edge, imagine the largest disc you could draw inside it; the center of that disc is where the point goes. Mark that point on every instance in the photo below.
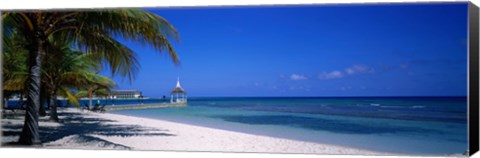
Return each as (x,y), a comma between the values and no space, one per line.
(1,74)
(473,98)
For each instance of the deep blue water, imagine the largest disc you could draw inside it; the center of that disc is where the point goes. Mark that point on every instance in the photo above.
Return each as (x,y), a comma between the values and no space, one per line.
(402,125)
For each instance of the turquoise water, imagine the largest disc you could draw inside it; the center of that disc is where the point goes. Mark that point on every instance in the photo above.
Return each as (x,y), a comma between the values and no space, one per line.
(401,125)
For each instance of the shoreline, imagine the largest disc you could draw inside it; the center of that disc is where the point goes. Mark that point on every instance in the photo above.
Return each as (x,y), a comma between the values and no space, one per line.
(88,130)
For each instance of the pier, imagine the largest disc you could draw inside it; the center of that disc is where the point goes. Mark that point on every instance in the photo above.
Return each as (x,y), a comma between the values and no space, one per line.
(142,106)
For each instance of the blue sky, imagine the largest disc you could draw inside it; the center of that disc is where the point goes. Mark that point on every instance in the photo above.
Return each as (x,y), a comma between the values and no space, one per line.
(329,50)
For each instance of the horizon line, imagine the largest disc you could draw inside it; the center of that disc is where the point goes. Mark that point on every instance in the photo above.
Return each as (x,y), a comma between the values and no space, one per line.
(315,96)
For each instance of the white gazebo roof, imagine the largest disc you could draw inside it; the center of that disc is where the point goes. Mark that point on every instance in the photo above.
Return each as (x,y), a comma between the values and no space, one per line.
(178,89)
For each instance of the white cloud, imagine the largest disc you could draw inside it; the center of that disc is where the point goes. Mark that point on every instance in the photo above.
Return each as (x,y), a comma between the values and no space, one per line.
(331,75)
(355,69)
(359,69)
(297,77)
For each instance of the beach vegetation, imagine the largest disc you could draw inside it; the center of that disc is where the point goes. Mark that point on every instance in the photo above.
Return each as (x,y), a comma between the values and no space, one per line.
(96,32)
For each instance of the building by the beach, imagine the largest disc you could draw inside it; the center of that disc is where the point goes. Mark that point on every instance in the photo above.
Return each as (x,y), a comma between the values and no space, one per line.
(178,95)
(126,94)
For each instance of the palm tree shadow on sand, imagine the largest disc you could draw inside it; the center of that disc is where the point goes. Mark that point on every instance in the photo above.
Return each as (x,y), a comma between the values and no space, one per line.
(81,129)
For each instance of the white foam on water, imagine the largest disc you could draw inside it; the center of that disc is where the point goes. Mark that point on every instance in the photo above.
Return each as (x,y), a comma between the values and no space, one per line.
(374,104)
(417,106)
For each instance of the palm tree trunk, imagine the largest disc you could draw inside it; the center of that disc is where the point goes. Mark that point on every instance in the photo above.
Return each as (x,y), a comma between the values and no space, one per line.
(53,105)
(5,105)
(42,111)
(29,135)
(48,102)
(20,100)
(90,102)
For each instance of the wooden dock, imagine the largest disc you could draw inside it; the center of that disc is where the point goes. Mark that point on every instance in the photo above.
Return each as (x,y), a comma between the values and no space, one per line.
(142,106)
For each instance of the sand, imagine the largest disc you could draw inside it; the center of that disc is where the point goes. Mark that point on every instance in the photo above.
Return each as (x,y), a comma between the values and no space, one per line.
(89,130)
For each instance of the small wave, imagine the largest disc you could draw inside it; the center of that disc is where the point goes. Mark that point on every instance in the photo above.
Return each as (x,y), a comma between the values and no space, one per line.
(372,104)
(391,106)
(417,106)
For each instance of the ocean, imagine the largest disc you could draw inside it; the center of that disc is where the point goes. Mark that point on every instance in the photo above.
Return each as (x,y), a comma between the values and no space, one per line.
(399,125)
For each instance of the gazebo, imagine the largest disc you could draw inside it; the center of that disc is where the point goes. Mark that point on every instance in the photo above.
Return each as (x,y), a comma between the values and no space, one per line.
(178,95)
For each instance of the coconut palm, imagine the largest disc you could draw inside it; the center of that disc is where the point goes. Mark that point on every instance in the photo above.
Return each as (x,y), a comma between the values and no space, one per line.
(14,68)
(99,86)
(68,69)
(91,31)
(73,70)
(76,82)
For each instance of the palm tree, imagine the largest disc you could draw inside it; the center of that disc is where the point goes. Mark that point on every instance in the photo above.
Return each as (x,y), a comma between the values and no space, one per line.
(75,70)
(68,69)
(76,81)
(91,31)
(98,86)
(14,69)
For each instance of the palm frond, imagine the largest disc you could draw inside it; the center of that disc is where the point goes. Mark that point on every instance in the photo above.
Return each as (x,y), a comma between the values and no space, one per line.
(72,99)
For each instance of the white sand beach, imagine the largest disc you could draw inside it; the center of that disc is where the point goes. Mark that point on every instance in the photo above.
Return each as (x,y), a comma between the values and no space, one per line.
(89,130)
